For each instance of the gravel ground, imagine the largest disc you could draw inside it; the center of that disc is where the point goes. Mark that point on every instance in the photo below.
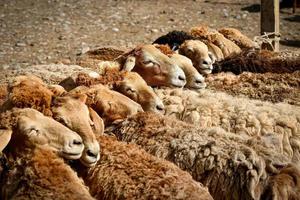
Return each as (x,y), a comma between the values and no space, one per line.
(47,31)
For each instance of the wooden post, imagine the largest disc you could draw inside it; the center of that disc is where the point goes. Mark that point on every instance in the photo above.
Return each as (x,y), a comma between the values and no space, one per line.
(269,22)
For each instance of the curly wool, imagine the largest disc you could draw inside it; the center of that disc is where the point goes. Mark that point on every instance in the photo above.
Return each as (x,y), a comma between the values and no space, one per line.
(50,73)
(277,124)
(93,58)
(260,61)
(41,174)
(267,87)
(230,166)
(128,172)
(174,39)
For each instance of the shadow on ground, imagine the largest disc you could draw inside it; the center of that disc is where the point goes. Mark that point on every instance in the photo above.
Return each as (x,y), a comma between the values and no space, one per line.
(291,43)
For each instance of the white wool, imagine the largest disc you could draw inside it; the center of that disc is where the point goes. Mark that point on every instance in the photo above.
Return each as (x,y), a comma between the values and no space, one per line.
(253,118)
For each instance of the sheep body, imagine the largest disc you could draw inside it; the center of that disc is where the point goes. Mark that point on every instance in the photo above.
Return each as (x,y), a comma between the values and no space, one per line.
(128,172)
(272,87)
(242,116)
(237,37)
(260,61)
(50,74)
(33,177)
(229,165)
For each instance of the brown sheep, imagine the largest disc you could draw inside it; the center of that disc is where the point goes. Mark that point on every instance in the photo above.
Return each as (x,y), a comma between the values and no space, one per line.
(131,84)
(228,47)
(155,67)
(33,169)
(267,87)
(237,37)
(109,105)
(260,61)
(194,79)
(232,167)
(128,172)
(32,92)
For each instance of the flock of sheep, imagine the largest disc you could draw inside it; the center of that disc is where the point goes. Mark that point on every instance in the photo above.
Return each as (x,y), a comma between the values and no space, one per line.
(202,114)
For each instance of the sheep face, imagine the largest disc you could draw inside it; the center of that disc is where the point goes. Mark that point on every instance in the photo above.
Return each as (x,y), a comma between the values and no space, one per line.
(32,128)
(73,113)
(108,104)
(156,68)
(134,87)
(197,51)
(194,79)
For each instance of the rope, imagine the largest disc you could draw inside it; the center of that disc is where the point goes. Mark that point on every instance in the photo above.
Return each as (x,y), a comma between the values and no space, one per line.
(268,38)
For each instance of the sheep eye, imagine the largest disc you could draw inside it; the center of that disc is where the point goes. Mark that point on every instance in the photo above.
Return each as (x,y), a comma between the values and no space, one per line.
(130,90)
(33,131)
(148,63)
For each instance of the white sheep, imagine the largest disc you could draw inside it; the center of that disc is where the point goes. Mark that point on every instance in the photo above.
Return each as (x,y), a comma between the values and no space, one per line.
(277,124)
(231,166)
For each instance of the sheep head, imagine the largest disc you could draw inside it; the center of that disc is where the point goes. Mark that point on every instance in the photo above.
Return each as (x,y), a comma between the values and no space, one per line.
(28,128)
(72,111)
(194,79)
(156,68)
(135,87)
(198,52)
(31,92)
(110,105)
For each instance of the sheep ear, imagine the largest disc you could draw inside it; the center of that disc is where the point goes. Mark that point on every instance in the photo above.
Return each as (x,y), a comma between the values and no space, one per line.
(212,57)
(5,136)
(98,124)
(129,63)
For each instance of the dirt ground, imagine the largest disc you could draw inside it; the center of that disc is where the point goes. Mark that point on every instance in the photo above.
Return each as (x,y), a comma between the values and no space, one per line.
(46,31)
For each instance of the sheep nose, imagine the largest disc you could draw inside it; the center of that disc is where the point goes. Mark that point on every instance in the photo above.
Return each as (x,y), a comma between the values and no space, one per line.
(182,78)
(91,154)
(160,107)
(199,81)
(205,62)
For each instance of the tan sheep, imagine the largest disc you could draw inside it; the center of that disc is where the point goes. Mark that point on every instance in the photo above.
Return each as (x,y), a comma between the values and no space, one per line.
(31,92)
(128,172)
(194,79)
(237,37)
(131,84)
(277,124)
(110,105)
(198,52)
(228,47)
(267,87)
(232,167)
(155,67)
(35,170)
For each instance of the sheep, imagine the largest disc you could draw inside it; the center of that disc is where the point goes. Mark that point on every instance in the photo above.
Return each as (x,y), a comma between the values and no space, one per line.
(50,73)
(71,110)
(130,84)
(278,124)
(34,169)
(237,37)
(109,105)
(190,47)
(260,61)
(228,47)
(267,87)
(92,58)
(194,79)
(232,167)
(128,172)
(198,52)
(155,68)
